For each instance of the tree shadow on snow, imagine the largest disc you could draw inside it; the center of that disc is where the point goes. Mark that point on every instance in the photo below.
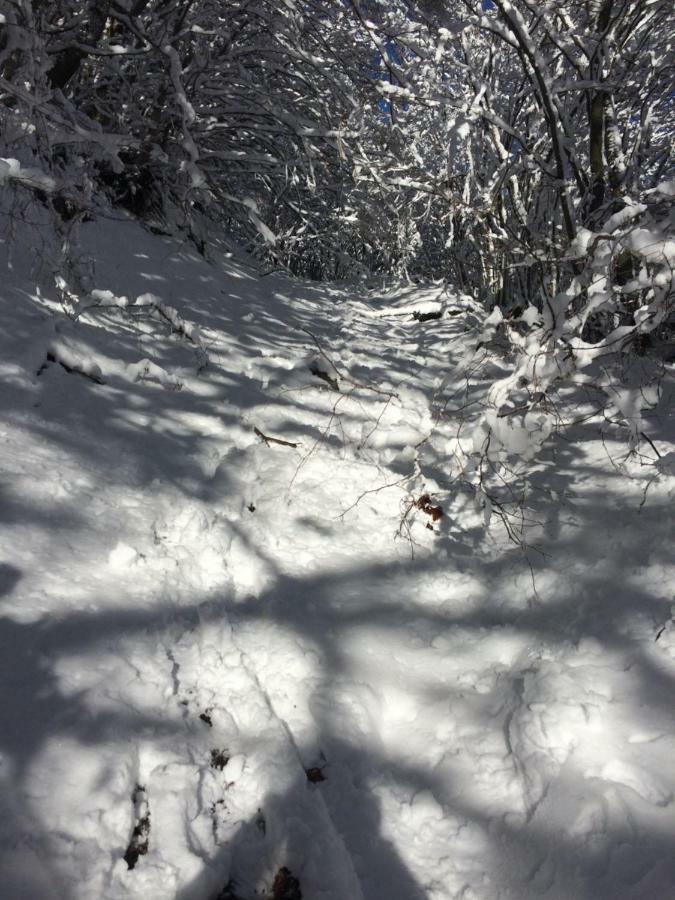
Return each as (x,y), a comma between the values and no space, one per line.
(325,611)
(385,604)
(531,856)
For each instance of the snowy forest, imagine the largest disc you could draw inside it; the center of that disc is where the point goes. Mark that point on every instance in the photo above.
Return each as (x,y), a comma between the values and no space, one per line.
(337,450)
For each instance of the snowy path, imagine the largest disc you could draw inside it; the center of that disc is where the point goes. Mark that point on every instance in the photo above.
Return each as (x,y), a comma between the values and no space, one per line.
(297,666)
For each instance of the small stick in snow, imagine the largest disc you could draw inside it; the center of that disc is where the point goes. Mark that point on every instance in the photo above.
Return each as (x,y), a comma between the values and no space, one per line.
(341,375)
(140,836)
(372,491)
(651,444)
(426,317)
(72,370)
(324,376)
(272,440)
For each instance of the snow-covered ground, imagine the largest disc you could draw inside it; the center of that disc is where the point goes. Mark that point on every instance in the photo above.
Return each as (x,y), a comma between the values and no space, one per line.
(221,655)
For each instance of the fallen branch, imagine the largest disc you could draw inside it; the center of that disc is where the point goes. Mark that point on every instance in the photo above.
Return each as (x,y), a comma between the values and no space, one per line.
(272,440)
(340,375)
(92,372)
(425,317)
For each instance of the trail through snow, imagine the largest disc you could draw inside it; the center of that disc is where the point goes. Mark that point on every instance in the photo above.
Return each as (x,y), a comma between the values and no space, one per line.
(238,655)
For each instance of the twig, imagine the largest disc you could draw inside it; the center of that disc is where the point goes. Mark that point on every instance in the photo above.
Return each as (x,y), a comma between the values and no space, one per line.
(426,317)
(646,490)
(316,443)
(354,384)
(72,370)
(272,440)
(376,490)
(324,376)
(651,444)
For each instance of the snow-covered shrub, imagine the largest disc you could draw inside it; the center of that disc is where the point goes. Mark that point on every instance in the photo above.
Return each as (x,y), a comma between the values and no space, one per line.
(619,301)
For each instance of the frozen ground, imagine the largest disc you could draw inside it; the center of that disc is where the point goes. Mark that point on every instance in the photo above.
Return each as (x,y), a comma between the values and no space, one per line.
(197,625)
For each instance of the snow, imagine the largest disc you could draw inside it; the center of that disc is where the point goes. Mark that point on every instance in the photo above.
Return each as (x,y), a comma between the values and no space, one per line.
(12,170)
(666,188)
(193,617)
(651,246)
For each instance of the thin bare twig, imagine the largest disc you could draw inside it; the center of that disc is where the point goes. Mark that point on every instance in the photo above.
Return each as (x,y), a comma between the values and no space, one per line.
(376,490)
(342,376)
(272,440)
